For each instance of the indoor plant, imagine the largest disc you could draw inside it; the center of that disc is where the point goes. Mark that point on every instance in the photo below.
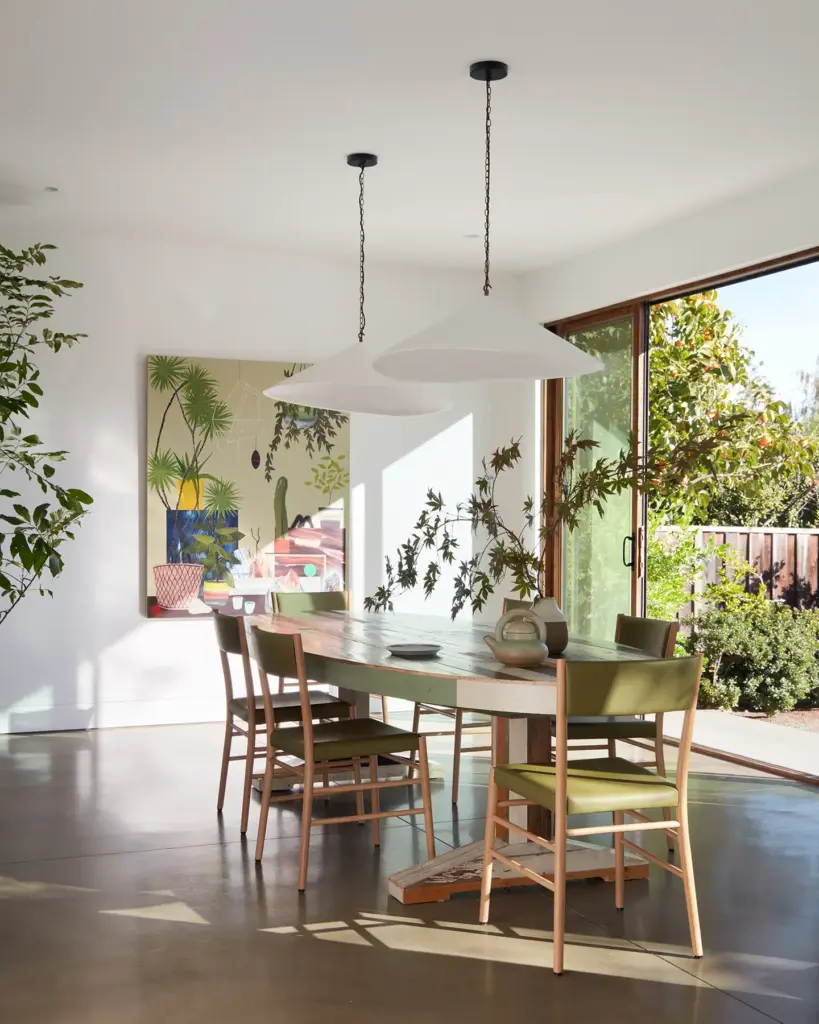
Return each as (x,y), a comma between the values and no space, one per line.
(31,538)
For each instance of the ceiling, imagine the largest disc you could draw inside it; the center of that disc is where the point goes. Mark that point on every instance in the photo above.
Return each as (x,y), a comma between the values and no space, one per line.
(218,120)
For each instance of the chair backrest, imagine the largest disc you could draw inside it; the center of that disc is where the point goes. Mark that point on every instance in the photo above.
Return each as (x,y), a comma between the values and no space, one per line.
(654,636)
(282,654)
(513,603)
(231,638)
(626,688)
(302,603)
(599,688)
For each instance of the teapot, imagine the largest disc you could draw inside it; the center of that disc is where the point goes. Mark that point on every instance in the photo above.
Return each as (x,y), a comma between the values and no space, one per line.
(519,639)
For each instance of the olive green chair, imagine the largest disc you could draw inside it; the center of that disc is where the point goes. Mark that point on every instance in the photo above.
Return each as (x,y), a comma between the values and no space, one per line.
(602,785)
(245,713)
(656,638)
(323,601)
(329,748)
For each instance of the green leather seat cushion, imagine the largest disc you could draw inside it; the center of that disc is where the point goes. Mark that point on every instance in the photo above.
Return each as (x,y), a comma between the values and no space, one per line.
(358,737)
(602,784)
(287,706)
(613,727)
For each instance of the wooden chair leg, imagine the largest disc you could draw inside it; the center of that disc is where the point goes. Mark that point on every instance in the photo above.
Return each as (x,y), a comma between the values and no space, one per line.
(456,755)
(267,789)
(416,727)
(619,864)
(559,926)
(426,796)
(359,797)
(612,748)
(281,684)
(250,760)
(384,711)
(687,866)
(488,840)
(306,824)
(220,800)
(375,797)
(659,758)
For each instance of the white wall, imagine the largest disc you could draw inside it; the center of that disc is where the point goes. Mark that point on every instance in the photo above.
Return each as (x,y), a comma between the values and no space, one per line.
(89,658)
(777,220)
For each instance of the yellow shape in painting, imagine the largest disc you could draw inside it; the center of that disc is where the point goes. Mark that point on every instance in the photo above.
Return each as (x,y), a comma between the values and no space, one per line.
(190,495)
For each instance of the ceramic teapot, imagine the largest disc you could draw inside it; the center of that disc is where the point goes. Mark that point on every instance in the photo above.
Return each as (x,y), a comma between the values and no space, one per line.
(519,639)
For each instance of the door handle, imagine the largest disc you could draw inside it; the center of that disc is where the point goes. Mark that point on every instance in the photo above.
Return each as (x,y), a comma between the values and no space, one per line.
(629,541)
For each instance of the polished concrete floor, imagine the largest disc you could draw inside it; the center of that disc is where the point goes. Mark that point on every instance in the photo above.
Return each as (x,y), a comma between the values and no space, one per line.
(124,898)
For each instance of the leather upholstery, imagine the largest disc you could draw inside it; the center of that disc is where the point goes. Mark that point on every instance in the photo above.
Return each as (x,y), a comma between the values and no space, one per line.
(359,737)
(611,728)
(649,635)
(601,785)
(227,632)
(275,653)
(287,707)
(601,688)
(300,604)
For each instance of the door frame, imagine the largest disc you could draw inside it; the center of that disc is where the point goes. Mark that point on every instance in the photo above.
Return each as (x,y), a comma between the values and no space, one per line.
(553,418)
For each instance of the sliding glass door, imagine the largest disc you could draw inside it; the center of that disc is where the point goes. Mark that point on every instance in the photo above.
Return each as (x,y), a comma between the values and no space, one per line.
(601,561)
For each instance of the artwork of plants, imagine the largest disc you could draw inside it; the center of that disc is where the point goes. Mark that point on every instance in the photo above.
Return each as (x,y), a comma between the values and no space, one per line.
(219,534)
(32,532)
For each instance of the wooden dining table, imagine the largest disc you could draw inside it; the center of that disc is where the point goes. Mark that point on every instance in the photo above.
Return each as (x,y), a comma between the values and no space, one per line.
(350,651)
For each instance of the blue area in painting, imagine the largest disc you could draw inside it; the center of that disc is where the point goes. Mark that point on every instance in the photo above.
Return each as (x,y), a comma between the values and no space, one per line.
(180,527)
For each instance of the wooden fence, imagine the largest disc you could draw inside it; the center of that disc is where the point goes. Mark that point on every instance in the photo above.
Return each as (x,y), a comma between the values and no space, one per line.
(786,559)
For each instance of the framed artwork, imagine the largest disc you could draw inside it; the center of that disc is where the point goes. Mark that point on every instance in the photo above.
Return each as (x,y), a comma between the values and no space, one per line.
(245,495)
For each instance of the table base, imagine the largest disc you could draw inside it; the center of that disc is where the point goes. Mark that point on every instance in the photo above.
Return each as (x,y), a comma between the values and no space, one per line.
(456,871)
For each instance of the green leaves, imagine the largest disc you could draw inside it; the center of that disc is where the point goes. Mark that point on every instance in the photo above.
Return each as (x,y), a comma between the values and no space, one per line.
(30,537)
(330,476)
(221,496)
(163,471)
(166,373)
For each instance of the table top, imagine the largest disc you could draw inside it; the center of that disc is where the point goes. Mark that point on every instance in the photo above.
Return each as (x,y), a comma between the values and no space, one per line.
(349,650)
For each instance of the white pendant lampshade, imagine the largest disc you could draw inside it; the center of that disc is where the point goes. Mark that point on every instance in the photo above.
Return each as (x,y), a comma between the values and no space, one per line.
(347,382)
(489,340)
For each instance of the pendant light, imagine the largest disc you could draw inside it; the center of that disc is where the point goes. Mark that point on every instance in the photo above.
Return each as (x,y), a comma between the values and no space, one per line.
(347,382)
(489,340)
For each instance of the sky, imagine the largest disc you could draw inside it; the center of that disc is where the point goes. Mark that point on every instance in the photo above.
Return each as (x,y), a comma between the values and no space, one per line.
(780,317)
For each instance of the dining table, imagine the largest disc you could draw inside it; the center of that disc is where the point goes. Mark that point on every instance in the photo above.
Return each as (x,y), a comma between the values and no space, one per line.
(351,651)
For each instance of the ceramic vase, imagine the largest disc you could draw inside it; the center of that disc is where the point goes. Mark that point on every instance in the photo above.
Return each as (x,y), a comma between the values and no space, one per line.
(557,628)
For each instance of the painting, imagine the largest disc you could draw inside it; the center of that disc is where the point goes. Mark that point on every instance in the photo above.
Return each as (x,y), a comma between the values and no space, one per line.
(245,495)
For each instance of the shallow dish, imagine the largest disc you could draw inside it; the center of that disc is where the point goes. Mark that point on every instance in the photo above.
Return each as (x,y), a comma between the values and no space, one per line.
(414,650)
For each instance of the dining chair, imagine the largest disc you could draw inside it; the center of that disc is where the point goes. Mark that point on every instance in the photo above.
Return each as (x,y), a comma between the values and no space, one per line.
(602,785)
(300,603)
(330,748)
(245,714)
(657,638)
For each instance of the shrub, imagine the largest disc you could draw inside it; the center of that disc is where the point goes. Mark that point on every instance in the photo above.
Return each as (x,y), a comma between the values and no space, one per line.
(760,656)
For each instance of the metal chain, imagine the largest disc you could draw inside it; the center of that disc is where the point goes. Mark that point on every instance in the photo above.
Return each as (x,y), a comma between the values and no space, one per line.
(487,181)
(362,318)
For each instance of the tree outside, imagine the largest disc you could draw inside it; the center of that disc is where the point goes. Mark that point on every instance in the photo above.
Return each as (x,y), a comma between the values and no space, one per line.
(762,471)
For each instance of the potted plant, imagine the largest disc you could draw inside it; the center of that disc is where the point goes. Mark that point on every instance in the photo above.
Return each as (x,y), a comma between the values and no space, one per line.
(200,509)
